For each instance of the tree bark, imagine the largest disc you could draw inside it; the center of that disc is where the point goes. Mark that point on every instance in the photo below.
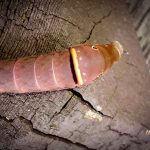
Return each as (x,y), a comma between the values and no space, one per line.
(111,113)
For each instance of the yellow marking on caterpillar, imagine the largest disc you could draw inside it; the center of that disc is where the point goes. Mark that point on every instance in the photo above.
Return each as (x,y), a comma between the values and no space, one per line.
(76,66)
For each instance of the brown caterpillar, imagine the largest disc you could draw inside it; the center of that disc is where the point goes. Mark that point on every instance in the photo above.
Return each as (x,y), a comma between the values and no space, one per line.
(76,66)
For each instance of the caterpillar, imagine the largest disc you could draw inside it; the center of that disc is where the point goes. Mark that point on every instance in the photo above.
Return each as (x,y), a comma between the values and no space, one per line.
(74,67)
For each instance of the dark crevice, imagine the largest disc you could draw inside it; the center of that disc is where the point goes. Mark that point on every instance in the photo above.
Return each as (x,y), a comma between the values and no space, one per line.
(133,139)
(138,133)
(147,52)
(31,11)
(85,102)
(56,16)
(33,114)
(65,20)
(139,141)
(142,19)
(19,25)
(136,6)
(89,36)
(6,120)
(63,107)
(55,137)
(136,142)
(9,121)
(94,25)
(46,146)
(119,132)
(125,147)
(145,46)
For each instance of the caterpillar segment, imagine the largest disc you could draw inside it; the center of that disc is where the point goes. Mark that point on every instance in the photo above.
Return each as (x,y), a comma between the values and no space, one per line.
(74,67)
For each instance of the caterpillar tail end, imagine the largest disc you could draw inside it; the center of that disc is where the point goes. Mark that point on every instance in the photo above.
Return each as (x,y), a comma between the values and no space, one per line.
(117,50)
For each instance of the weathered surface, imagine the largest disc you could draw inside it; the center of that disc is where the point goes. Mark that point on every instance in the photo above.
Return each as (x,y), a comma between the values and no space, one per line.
(19,134)
(111,113)
(140,11)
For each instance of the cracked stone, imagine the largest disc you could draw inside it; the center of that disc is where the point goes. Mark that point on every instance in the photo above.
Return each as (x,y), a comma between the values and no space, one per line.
(125,125)
(102,97)
(22,136)
(72,119)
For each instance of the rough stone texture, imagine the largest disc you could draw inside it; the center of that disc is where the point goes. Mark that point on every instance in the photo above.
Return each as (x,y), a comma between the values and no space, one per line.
(112,113)
(19,134)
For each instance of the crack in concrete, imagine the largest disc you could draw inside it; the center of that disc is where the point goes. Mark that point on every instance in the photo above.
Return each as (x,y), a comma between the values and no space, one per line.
(119,132)
(125,148)
(85,102)
(13,21)
(6,119)
(19,25)
(63,107)
(59,17)
(55,137)
(30,124)
(94,25)
(46,146)
(31,9)
(34,113)
(133,139)
(10,121)
(136,142)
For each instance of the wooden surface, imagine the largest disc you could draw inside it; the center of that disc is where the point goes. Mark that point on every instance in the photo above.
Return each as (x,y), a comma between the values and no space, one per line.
(111,113)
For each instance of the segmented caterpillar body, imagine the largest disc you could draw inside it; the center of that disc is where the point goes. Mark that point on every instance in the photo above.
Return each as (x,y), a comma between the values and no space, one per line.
(74,67)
